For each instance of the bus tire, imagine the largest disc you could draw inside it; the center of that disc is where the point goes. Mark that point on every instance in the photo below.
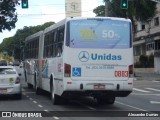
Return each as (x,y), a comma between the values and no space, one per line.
(25,76)
(38,91)
(108,100)
(56,100)
(29,85)
(111,100)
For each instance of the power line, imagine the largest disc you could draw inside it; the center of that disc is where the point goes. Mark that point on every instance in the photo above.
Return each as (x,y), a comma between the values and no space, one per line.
(41,14)
(59,4)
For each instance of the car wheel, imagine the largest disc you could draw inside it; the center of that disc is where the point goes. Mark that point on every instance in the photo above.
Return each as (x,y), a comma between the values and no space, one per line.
(18,96)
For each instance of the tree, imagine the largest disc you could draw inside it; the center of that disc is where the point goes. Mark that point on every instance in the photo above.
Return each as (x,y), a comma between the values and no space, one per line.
(8,17)
(141,10)
(100,10)
(15,44)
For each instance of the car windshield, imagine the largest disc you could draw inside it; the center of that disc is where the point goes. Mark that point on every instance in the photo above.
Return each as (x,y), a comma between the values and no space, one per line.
(7,71)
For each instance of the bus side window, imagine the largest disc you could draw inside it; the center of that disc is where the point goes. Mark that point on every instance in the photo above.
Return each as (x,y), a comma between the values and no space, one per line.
(59,52)
(59,49)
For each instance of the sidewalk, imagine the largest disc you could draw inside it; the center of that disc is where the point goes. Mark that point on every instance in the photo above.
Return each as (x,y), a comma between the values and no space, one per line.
(147,76)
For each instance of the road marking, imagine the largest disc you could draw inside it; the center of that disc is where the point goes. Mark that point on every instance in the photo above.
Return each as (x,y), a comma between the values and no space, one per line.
(23,90)
(145,94)
(40,106)
(130,106)
(35,101)
(153,89)
(46,110)
(86,106)
(156,81)
(140,90)
(154,102)
(30,98)
(55,117)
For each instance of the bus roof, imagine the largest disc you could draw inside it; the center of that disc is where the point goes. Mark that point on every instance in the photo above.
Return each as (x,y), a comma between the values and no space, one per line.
(34,35)
(62,22)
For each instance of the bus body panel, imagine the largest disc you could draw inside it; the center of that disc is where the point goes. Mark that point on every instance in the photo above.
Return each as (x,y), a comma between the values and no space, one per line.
(31,66)
(100,68)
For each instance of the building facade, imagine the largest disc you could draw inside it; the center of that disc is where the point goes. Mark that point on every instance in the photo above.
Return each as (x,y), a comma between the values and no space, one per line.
(73,8)
(147,39)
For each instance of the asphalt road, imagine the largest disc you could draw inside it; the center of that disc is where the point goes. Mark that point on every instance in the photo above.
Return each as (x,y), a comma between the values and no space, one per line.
(144,98)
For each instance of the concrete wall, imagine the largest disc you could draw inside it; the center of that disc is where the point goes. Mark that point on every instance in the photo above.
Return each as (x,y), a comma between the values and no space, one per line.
(73,8)
(144,70)
(157,64)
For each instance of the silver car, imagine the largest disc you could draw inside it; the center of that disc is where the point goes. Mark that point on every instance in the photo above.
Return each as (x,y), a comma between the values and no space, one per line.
(10,82)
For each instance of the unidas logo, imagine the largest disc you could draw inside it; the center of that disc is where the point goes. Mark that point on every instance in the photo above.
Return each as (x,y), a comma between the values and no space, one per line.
(85,56)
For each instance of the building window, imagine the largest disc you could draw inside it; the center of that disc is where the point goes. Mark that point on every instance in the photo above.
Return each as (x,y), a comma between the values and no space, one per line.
(156,21)
(150,46)
(157,45)
(143,26)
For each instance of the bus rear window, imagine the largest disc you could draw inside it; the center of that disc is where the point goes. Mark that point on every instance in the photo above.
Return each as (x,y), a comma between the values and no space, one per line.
(104,33)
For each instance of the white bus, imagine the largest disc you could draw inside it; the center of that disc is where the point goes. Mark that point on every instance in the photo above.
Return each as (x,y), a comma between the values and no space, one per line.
(32,51)
(86,56)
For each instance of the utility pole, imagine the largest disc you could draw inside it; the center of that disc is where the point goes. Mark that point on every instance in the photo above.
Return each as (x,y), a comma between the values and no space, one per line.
(106,8)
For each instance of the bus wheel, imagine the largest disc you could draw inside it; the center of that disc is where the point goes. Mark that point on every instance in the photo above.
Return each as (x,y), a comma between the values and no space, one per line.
(29,85)
(25,76)
(56,100)
(101,101)
(111,100)
(38,91)
(108,100)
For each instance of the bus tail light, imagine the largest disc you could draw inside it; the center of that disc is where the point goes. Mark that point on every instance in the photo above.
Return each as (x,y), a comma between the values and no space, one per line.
(67,70)
(130,70)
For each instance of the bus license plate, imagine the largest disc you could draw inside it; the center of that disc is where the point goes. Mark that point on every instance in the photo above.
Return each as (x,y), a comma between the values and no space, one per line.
(3,91)
(99,86)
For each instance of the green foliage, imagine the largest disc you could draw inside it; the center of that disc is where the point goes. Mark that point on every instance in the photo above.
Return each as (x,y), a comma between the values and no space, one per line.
(14,45)
(6,57)
(140,9)
(151,60)
(145,61)
(100,10)
(8,16)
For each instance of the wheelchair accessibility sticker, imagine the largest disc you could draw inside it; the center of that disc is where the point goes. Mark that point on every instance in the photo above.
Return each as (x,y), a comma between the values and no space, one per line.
(76,72)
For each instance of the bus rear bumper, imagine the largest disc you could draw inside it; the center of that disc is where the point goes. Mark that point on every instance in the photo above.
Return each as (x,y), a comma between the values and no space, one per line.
(100,93)
(94,88)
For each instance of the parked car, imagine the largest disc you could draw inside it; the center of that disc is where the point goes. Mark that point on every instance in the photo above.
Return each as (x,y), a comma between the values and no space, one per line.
(3,63)
(16,63)
(10,82)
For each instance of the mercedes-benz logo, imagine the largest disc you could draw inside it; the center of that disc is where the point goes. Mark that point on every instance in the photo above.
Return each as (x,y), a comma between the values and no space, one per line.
(83,56)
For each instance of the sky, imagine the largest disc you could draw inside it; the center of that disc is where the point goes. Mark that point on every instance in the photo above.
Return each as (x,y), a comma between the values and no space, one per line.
(42,11)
